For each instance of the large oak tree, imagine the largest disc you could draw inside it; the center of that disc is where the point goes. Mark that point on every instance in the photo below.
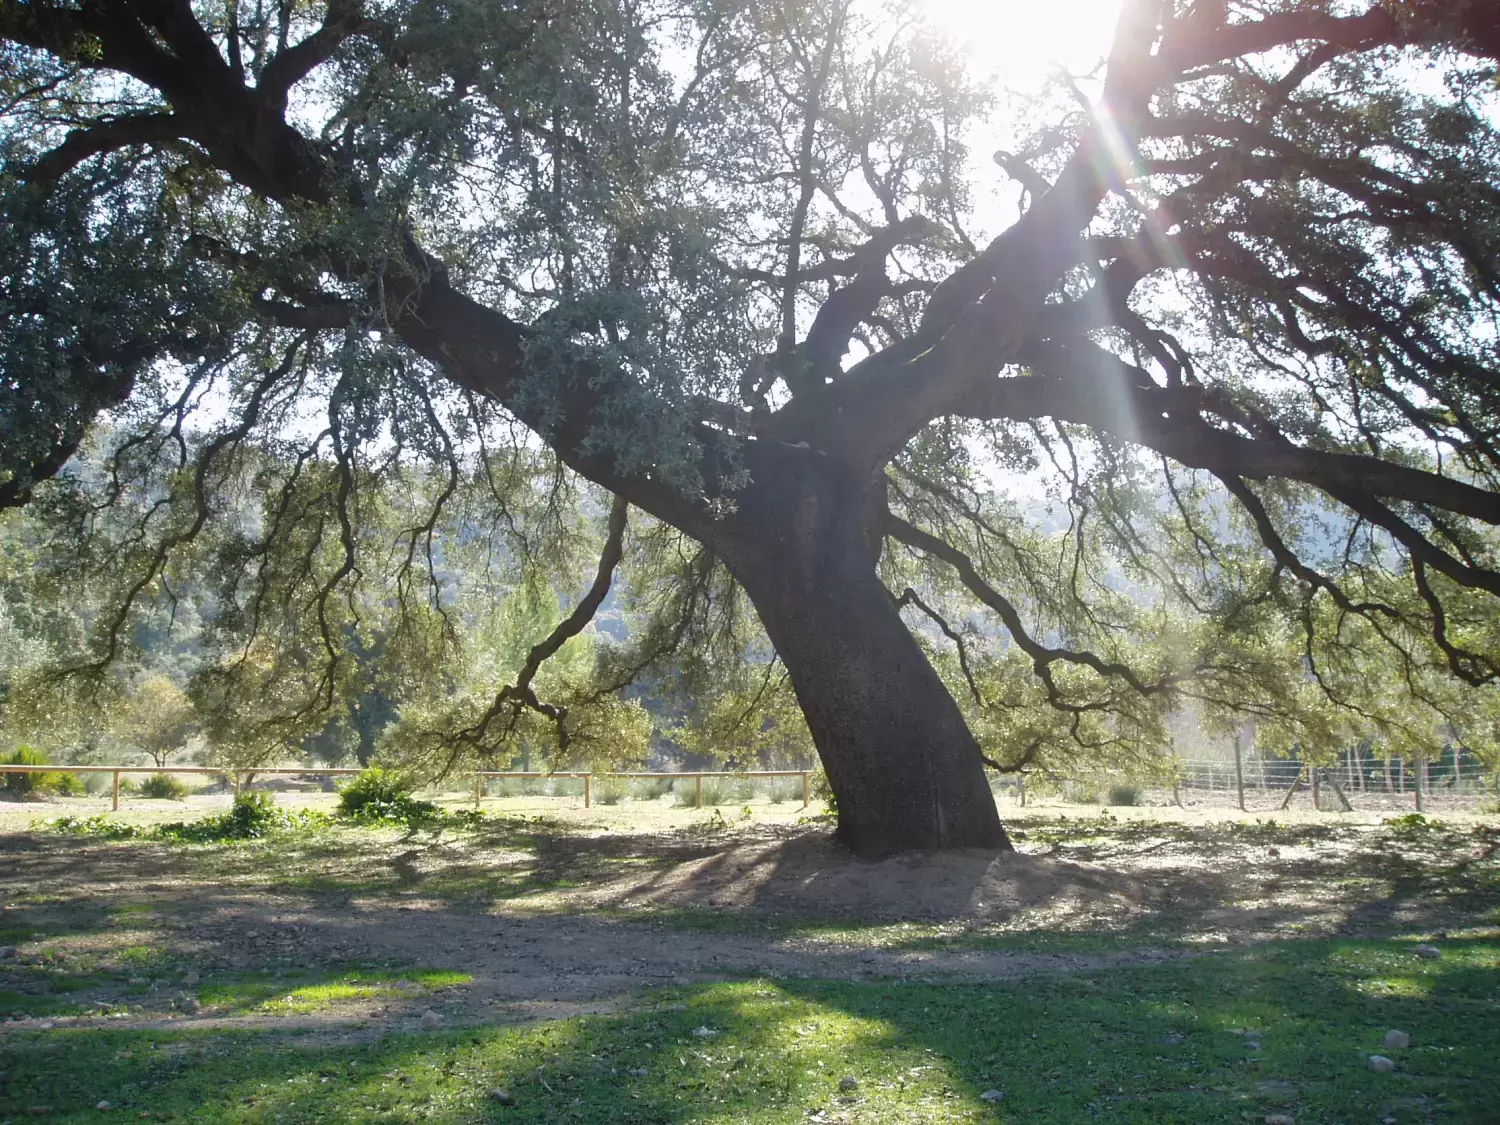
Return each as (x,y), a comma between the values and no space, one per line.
(718,257)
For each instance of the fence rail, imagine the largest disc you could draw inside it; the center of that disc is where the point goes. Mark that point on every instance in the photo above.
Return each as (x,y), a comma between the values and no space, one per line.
(480,776)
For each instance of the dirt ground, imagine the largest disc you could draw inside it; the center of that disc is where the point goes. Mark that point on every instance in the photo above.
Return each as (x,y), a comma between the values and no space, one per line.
(558,910)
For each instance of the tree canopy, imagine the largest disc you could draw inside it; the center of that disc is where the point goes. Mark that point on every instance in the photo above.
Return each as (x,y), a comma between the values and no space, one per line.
(710,289)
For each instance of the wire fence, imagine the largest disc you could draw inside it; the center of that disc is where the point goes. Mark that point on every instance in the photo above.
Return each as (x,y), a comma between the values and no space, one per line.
(1453,781)
(237,778)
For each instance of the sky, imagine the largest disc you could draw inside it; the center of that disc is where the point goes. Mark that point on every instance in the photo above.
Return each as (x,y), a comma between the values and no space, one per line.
(1020,41)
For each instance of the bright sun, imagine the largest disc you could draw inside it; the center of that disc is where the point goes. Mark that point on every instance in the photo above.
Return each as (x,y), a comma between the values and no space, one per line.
(1020,41)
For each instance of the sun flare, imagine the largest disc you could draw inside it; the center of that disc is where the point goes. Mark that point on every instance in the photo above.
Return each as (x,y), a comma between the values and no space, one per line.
(1020,41)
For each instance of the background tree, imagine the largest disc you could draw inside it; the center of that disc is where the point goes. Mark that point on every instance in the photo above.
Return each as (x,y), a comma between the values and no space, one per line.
(721,261)
(158,718)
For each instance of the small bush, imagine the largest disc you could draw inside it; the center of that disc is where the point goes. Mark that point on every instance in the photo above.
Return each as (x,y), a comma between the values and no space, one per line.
(783,789)
(162,787)
(25,786)
(567,787)
(101,826)
(253,816)
(379,795)
(1412,825)
(1079,793)
(716,791)
(822,790)
(1125,795)
(66,785)
(650,788)
(518,787)
(610,791)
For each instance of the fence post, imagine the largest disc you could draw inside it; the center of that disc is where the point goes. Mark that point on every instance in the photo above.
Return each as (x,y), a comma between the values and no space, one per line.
(698,798)
(806,792)
(1021,789)
(478,789)
(1421,771)
(588,790)
(1239,771)
(117,791)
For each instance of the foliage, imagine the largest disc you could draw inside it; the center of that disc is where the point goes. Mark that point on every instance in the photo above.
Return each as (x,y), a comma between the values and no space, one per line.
(610,791)
(158,718)
(378,794)
(20,786)
(253,816)
(162,786)
(1210,423)
(650,788)
(1124,794)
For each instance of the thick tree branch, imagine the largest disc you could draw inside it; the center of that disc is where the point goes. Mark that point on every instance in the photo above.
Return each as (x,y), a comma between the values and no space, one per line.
(106,136)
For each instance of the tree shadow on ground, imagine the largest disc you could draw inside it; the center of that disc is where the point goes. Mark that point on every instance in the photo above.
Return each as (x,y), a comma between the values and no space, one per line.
(1226,1039)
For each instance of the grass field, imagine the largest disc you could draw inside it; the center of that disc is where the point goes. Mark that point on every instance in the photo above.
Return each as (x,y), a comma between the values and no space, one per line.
(1122,969)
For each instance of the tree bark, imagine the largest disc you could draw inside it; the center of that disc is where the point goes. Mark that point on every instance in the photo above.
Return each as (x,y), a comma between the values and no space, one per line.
(905,770)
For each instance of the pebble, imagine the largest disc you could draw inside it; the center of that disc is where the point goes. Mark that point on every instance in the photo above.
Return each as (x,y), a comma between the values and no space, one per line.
(641,1073)
(191,1005)
(1280,1119)
(704,1032)
(1429,951)
(992,1096)
(191,977)
(848,1085)
(1396,1039)
(431,1019)
(1382,1064)
(502,1096)
(104,1107)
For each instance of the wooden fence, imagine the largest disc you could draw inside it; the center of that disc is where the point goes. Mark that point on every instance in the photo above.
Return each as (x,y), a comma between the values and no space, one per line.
(480,776)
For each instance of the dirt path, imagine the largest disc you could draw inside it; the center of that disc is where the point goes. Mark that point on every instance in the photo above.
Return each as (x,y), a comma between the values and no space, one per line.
(527,968)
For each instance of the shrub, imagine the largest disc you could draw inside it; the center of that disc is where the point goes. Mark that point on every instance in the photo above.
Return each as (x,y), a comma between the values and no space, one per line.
(1079,793)
(1125,794)
(821,790)
(66,784)
(567,787)
(253,816)
(163,787)
(650,788)
(518,787)
(377,794)
(782,789)
(610,791)
(716,791)
(373,786)
(21,786)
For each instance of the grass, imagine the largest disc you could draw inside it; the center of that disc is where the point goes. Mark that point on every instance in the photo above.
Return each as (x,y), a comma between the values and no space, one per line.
(141,979)
(1130,1046)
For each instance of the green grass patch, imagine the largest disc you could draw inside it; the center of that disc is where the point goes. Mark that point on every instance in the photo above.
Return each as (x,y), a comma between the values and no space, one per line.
(305,993)
(1227,1038)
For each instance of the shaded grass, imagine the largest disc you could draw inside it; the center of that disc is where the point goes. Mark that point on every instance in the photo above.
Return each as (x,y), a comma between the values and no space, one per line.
(142,979)
(1152,1044)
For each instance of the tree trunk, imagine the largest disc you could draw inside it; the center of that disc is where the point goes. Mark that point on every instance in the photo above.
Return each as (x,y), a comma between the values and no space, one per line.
(905,770)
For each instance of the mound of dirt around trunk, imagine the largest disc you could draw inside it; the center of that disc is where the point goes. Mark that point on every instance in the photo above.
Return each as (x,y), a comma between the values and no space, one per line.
(811,875)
